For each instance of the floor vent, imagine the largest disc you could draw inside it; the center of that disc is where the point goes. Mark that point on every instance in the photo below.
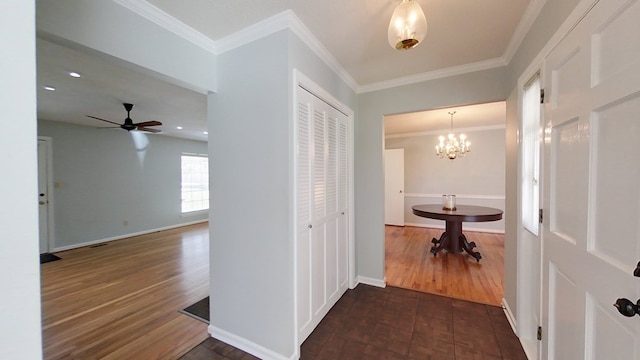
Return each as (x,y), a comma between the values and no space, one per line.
(98,245)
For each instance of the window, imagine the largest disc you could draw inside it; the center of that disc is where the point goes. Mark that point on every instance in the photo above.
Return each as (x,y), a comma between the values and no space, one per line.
(531,155)
(195,183)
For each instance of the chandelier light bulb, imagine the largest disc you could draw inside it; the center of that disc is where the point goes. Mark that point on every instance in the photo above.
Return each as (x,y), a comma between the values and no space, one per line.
(452,147)
(408,26)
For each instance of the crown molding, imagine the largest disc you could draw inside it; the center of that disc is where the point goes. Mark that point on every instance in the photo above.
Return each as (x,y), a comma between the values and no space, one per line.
(440,132)
(286,20)
(436,74)
(170,23)
(525,24)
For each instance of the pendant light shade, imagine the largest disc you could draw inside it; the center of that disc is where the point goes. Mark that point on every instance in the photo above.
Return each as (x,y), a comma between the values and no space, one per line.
(408,26)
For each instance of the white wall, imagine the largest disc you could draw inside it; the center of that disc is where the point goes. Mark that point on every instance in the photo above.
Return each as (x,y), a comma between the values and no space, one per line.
(112,183)
(476,179)
(20,334)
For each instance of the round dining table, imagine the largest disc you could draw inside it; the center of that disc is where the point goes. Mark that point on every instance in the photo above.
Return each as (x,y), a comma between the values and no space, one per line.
(453,240)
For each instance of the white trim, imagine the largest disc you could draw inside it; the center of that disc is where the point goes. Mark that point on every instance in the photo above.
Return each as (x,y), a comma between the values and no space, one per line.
(463,196)
(466,228)
(371,281)
(285,20)
(51,231)
(509,314)
(169,23)
(288,20)
(432,75)
(302,81)
(440,132)
(246,345)
(527,20)
(124,236)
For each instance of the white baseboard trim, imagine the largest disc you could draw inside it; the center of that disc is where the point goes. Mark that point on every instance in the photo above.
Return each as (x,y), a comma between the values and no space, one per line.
(124,236)
(371,281)
(246,345)
(509,314)
(466,228)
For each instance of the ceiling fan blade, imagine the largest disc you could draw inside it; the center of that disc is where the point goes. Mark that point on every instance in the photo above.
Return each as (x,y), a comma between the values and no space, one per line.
(142,128)
(149,123)
(108,127)
(97,118)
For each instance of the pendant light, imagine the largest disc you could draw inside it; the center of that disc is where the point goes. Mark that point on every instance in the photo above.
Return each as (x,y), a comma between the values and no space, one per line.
(408,26)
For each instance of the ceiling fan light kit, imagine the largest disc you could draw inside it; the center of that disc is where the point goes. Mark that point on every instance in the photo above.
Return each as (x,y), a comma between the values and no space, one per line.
(129,124)
(408,26)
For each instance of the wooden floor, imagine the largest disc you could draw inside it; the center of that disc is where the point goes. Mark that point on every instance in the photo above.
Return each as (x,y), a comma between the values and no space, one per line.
(121,300)
(410,265)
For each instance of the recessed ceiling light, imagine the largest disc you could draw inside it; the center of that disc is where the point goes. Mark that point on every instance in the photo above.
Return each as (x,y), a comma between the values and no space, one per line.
(74,74)
(179,127)
(49,88)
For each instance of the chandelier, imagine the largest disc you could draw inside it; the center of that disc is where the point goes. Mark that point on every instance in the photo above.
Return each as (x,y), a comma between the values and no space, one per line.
(453,147)
(408,26)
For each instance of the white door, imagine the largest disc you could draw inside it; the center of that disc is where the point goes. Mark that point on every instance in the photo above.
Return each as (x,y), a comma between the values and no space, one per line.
(322,209)
(43,194)
(394,187)
(591,230)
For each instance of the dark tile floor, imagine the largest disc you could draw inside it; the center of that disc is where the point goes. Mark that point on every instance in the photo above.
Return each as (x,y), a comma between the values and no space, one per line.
(393,323)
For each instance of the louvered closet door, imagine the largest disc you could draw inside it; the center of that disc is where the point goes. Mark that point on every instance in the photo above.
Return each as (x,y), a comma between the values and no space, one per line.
(322,241)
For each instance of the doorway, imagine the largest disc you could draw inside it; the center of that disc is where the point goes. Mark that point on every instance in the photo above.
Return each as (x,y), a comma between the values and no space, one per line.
(45,198)
(476,179)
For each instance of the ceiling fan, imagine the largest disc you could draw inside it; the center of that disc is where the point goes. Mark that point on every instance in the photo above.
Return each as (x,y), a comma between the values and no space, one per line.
(130,125)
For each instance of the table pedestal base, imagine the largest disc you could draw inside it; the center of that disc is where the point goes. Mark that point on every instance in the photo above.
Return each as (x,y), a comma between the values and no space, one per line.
(454,241)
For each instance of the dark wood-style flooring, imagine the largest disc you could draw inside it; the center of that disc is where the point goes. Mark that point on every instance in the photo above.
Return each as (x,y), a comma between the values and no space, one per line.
(393,323)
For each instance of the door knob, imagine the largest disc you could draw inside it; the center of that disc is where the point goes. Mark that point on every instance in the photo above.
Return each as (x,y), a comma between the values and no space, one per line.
(627,308)
(400,191)
(41,202)
(636,272)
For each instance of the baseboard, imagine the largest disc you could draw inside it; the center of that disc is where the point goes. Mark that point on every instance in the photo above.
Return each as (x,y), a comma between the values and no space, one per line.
(467,227)
(246,345)
(512,322)
(509,314)
(124,236)
(371,281)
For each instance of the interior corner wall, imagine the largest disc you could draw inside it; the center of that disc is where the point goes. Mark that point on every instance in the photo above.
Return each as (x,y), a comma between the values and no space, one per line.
(471,88)
(112,183)
(476,179)
(251,259)
(20,320)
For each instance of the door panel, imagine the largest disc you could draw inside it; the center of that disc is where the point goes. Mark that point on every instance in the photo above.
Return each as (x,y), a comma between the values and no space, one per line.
(43,195)
(592,194)
(394,187)
(322,240)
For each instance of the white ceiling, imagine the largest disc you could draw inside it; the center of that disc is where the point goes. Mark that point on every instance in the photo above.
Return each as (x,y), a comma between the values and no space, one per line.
(461,35)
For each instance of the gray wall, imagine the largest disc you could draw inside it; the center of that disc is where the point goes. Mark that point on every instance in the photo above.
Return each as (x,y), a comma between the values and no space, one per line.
(102,178)
(251,268)
(476,179)
(251,220)
(478,87)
